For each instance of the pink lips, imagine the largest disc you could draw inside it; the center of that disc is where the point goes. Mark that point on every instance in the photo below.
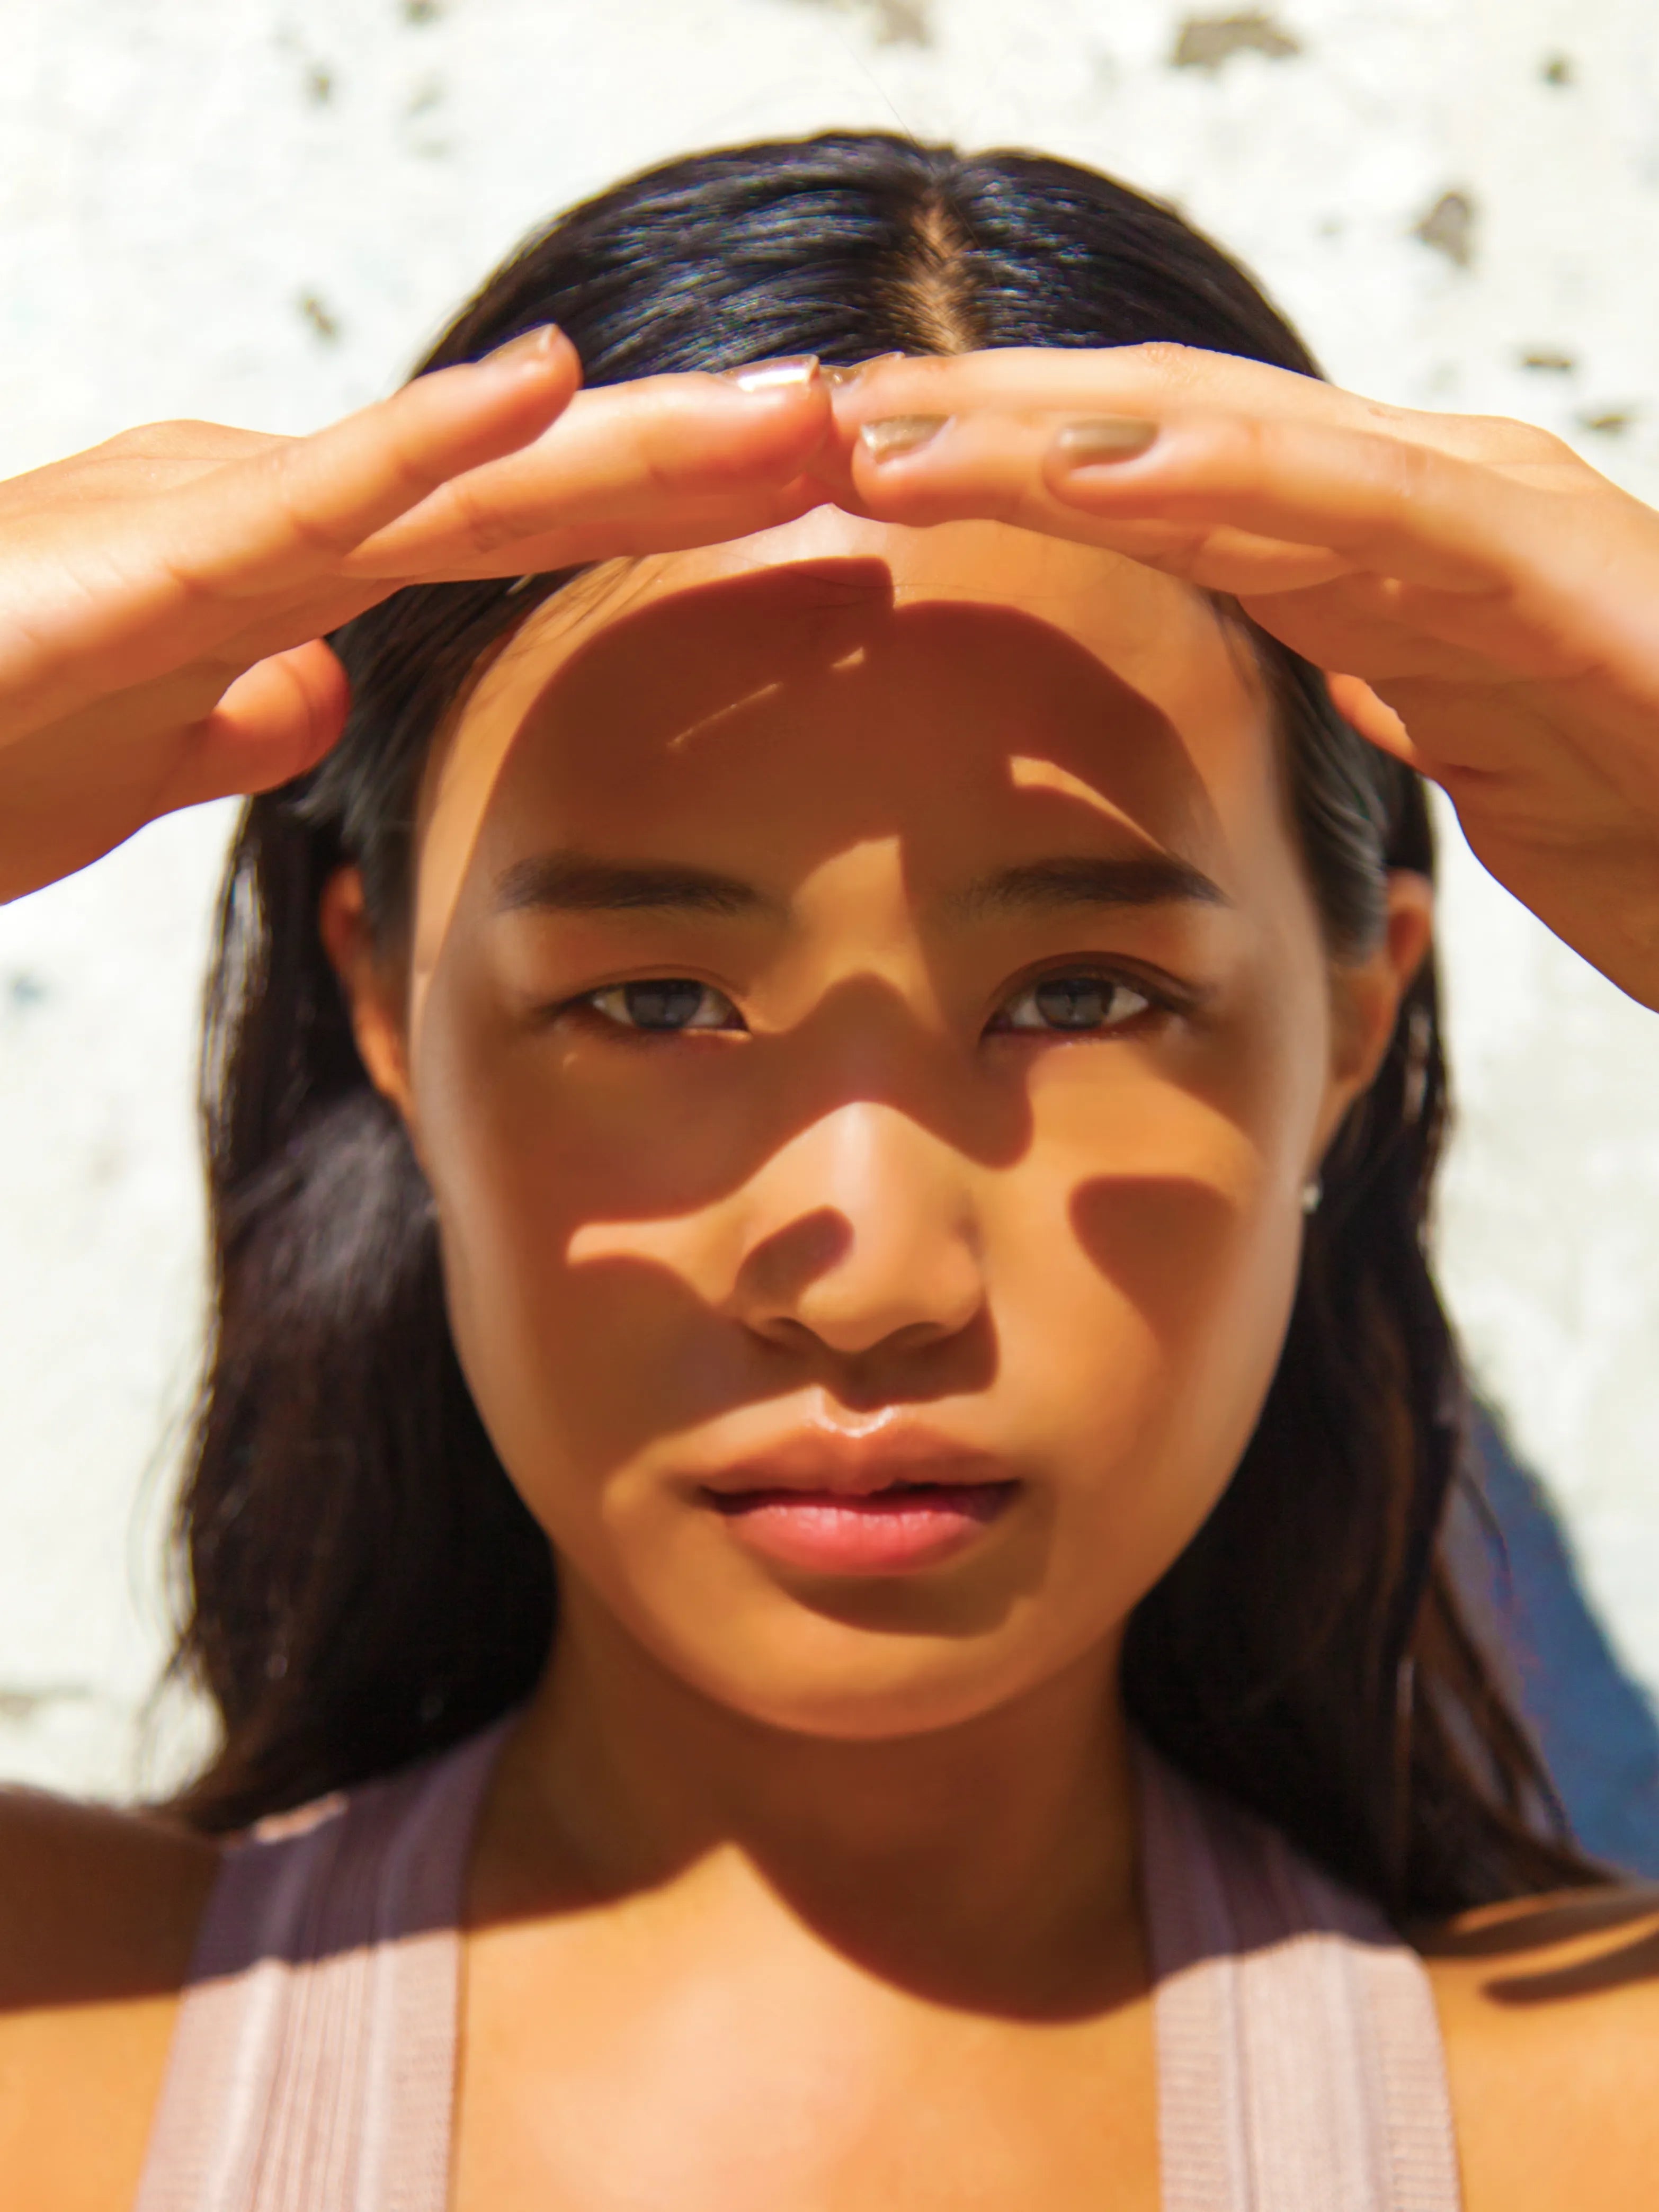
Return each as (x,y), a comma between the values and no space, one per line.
(862,1505)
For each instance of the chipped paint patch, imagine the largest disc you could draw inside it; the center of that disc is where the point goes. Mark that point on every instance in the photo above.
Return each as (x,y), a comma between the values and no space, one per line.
(1608,421)
(321,318)
(1207,42)
(895,22)
(1449,228)
(19,1705)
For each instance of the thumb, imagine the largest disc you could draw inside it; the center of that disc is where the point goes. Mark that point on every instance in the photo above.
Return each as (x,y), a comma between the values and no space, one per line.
(1374,718)
(277,719)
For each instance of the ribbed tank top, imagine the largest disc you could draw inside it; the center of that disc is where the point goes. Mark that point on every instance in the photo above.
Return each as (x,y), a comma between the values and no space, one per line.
(313,2067)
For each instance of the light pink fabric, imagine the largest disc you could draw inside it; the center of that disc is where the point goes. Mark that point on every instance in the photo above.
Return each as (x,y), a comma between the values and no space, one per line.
(1300,2067)
(314,2065)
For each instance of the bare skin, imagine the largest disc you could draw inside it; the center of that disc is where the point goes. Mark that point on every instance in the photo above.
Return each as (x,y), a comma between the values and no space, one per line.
(796,1887)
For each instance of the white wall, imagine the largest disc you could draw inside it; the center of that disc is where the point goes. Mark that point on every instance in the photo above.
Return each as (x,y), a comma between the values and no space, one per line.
(258,209)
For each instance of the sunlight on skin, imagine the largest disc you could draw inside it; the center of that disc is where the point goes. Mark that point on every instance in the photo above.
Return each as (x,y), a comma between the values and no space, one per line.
(669,1255)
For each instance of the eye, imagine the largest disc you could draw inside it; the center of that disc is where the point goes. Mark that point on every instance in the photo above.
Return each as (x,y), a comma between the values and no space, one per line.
(1072,1004)
(666,1005)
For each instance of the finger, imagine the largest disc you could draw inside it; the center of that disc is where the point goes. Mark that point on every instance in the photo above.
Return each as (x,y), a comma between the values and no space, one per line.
(1153,380)
(274,523)
(640,467)
(1159,379)
(275,721)
(991,466)
(1374,718)
(1389,507)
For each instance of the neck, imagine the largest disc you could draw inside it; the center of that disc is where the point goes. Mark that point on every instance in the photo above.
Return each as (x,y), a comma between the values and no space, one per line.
(999,1852)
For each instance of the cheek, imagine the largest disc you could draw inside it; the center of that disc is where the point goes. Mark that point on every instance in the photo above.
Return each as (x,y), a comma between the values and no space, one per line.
(576,1361)
(1147,1267)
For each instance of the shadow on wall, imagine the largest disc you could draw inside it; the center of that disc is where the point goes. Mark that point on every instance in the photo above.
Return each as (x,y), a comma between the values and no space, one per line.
(1594,1725)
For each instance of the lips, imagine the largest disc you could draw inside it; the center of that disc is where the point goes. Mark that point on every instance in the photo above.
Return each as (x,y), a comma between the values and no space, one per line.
(886,1503)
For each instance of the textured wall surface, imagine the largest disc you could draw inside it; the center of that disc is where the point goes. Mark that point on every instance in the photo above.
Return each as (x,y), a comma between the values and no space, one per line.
(256,210)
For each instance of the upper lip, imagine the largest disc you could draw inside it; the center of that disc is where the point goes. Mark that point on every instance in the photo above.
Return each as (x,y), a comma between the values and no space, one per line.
(840,1464)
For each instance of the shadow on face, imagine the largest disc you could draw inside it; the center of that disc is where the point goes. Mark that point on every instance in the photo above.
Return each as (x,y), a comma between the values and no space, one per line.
(1008,1042)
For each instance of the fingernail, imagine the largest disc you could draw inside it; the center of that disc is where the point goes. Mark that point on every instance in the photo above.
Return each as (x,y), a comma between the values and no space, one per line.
(837,375)
(897,435)
(528,346)
(787,375)
(1107,438)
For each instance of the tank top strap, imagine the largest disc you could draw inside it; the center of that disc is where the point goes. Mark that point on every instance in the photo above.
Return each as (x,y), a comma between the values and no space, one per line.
(1299,2060)
(313,2064)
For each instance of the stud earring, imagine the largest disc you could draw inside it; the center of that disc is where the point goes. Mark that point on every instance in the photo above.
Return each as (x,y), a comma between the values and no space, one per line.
(1312,1191)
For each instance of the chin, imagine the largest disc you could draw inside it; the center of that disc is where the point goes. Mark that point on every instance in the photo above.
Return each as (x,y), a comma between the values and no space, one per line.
(885,1688)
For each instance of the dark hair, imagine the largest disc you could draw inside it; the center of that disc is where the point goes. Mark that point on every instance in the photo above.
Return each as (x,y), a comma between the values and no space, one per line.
(364,1583)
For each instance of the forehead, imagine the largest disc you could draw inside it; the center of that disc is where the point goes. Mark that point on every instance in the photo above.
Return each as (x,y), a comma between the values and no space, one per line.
(760,705)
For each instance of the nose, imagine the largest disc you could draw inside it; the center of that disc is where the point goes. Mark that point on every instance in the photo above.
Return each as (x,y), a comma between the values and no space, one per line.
(862,1230)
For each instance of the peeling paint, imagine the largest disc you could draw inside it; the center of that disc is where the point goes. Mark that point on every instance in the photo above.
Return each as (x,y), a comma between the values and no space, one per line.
(1557,69)
(1551,358)
(320,317)
(1449,228)
(1206,41)
(319,85)
(896,22)
(17,1705)
(1610,421)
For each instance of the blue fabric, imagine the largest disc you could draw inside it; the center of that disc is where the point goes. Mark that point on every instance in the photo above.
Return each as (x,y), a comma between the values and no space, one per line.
(1593,1724)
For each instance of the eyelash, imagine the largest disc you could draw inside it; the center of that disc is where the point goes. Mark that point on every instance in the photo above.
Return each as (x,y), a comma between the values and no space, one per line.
(1004,1023)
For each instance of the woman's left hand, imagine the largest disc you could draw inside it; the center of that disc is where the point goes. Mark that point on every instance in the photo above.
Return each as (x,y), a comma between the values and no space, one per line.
(1486,604)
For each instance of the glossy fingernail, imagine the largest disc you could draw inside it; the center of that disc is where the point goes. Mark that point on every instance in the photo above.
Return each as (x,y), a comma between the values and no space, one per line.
(1106,438)
(895,435)
(837,375)
(786,374)
(527,347)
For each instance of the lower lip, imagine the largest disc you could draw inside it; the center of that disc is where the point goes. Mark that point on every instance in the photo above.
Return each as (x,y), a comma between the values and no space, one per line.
(888,1532)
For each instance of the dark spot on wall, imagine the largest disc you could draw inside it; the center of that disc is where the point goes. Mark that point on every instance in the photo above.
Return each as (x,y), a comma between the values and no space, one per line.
(1206,41)
(321,318)
(423,11)
(24,990)
(903,23)
(896,22)
(20,1705)
(1449,228)
(1551,358)
(425,97)
(319,85)
(1611,422)
(1557,69)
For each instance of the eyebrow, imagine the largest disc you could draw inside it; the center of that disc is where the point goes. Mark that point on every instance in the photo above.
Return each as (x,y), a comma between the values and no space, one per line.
(1089,879)
(575,882)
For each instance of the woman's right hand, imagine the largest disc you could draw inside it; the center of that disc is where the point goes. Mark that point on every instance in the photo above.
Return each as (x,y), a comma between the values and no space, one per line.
(163,597)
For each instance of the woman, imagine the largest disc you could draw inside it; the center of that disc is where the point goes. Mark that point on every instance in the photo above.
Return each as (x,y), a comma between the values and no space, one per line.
(825,1405)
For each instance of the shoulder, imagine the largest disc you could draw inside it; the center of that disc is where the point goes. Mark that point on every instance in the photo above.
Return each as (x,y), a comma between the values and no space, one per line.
(94,1902)
(1550,2012)
(99,1911)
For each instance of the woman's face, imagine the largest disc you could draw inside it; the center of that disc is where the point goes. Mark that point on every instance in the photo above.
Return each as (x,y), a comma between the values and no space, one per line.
(868,1035)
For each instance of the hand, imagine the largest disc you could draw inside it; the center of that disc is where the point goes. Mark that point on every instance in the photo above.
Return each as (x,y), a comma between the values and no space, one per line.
(1486,604)
(162,598)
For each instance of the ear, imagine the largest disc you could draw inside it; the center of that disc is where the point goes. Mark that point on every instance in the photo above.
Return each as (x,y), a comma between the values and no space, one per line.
(374,993)
(1365,997)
